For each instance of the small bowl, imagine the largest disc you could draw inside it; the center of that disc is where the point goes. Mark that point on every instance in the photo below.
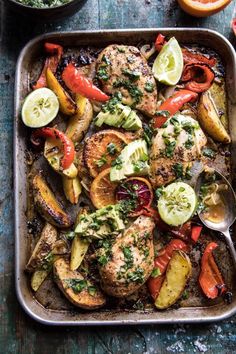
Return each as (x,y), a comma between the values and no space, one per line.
(47,13)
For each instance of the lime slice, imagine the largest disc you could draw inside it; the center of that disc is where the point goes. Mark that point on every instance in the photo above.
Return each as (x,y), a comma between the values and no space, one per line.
(168,65)
(39,108)
(177,203)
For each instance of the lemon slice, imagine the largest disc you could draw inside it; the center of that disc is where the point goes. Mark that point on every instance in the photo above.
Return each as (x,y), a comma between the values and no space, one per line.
(168,65)
(39,108)
(177,203)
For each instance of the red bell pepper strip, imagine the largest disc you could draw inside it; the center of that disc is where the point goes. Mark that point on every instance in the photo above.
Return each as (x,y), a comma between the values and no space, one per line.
(210,279)
(55,52)
(182,232)
(173,105)
(187,55)
(199,77)
(159,42)
(161,262)
(78,83)
(190,57)
(68,146)
(196,232)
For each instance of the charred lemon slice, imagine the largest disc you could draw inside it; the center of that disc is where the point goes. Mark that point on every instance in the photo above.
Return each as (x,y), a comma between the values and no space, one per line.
(102,191)
(102,148)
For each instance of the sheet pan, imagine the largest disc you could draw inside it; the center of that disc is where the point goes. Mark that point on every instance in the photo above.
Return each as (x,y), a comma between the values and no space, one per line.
(102,38)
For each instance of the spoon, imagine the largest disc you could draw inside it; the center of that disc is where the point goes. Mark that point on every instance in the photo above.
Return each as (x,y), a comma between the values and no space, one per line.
(223,226)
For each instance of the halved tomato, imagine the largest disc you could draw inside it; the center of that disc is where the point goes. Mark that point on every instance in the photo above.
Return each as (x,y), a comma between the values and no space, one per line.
(102,191)
(136,190)
(102,148)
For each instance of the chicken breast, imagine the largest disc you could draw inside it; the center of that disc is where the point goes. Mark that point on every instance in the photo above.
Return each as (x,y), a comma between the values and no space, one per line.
(174,148)
(131,259)
(123,68)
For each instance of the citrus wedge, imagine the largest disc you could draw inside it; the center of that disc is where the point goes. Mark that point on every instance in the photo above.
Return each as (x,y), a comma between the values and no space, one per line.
(102,191)
(39,108)
(168,65)
(203,8)
(138,192)
(102,148)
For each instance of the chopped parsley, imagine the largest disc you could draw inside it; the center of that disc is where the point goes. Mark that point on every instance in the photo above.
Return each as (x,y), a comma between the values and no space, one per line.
(147,134)
(156,272)
(48,261)
(189,142)
(137,276)
(78,285)
(110,106)
(163,113)
(178,170)
(117,163)
(102,161)
(131,74)
(102,73)
(208,152)
(149,86)
(120,49)
(170,147)
(106,60)
(133,89)
(128,257)
(159,191)
(111,149)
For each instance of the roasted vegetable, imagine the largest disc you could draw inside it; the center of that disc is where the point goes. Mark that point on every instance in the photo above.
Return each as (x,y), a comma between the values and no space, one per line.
(38,278)
(55,52)
(102,191)
(79,291)
(79,245)
(79,83)
(161,263)
(197,77)
(210,279)
(177,275)
(67,146)
(72,189)
(53,154)
(47,204)
(210,120)
(79,123)
(172,105)
(43,247)
(67,105)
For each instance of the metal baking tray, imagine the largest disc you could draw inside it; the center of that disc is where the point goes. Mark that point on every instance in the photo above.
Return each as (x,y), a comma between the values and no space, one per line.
(101,38)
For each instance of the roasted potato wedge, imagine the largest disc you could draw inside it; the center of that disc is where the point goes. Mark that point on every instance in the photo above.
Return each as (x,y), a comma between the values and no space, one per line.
(77,290)
(209,119)
(67,105)
(38,278)
(72,189)
(79,123)
(177,275)
(43,247)
(53,154)
(79,246)
(47,204)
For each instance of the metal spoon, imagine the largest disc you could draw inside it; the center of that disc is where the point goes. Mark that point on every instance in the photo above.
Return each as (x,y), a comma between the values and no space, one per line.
(229,198)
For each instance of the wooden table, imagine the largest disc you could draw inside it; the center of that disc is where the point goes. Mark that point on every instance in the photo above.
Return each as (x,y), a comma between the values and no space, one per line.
(20,334)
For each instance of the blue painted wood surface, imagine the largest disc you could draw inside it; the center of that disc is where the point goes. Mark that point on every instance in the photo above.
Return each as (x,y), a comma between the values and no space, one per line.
(18,333)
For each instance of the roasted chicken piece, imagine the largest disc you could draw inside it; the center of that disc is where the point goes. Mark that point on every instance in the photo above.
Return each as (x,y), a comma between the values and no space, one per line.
(174,148)
(128,262)
(123,68)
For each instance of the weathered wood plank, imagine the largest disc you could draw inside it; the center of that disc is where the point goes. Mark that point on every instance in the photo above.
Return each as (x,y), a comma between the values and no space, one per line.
(18,333)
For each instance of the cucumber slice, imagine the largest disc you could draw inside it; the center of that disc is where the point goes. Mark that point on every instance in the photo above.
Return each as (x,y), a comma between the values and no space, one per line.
(177,203)
(40,108)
